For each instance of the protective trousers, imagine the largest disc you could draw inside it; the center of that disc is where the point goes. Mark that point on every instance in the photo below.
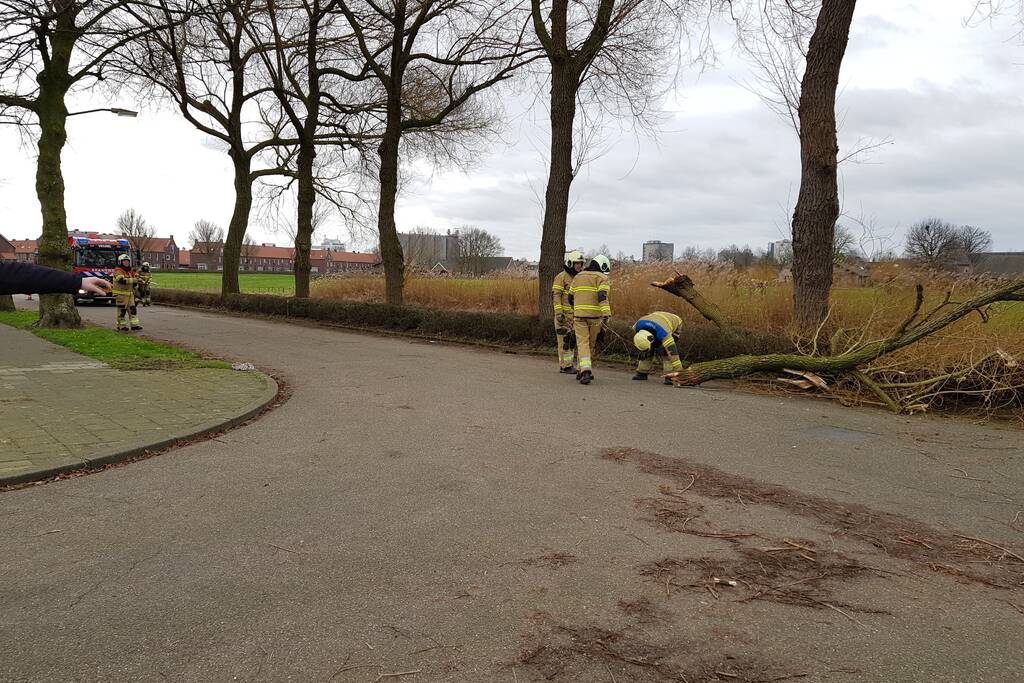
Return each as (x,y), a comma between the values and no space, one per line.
(669,354)
(566,356)
(586,330)
(127,315)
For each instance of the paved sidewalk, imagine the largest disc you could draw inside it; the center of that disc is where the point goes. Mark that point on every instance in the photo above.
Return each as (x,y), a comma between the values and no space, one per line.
(60,411)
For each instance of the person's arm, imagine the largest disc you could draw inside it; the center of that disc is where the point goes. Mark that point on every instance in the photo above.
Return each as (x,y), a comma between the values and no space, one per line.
(28,278)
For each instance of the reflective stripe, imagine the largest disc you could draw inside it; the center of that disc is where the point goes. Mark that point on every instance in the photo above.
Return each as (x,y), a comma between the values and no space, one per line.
(588,307)
(584,363)
(583,288)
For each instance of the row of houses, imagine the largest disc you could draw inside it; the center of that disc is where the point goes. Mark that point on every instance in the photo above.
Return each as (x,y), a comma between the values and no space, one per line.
(162,253)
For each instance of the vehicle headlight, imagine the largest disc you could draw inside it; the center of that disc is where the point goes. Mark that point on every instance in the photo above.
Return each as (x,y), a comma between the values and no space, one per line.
(82,291)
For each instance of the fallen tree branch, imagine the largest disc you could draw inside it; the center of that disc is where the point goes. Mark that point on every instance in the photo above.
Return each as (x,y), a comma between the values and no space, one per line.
(904,335)
(682,286)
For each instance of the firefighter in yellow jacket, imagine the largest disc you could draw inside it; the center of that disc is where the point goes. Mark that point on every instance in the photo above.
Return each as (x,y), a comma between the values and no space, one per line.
(655,336)
(125,278)
(143,284)
(563,310)
(591,309)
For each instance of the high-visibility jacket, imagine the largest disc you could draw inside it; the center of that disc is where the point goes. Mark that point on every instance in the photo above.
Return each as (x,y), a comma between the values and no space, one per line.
(589,292)
(144,277)
(560,295)
(123,286)
(661,324)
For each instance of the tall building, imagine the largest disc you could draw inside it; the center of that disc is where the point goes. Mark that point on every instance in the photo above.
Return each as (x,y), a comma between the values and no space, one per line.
(656,250)
(428,249)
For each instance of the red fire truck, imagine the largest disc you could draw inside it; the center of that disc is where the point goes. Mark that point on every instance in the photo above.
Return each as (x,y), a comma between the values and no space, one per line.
(95,256)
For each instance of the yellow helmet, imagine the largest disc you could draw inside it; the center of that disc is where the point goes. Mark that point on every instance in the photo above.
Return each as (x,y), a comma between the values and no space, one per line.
(572,257)
(603,263)
(643,340)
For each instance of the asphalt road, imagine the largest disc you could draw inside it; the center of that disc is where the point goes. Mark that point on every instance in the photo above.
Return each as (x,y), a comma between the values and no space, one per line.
(424,512)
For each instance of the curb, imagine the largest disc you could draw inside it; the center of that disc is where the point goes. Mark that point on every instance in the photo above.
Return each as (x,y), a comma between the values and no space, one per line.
(93,462)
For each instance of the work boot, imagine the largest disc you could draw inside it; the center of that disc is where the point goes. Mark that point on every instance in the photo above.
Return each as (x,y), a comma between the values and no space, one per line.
(136,327)
(568,370)
(667,382)
(586,377)
(641,376)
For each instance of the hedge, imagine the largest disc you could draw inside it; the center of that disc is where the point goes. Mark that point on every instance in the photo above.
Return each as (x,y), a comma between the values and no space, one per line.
(697,343)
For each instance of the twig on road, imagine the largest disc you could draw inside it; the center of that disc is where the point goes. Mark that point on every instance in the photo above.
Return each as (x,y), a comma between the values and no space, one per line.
(994,545)
(396,674)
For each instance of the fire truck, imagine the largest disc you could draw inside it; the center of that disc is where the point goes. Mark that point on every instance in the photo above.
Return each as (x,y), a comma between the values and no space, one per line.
(95,256)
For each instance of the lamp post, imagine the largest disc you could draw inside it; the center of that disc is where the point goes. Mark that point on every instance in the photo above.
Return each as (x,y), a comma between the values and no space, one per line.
(113,110)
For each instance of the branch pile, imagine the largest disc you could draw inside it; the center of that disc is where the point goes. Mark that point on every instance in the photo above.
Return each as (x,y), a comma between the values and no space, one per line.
(997,372)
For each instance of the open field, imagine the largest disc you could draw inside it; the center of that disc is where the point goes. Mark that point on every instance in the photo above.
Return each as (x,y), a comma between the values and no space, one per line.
(251,283)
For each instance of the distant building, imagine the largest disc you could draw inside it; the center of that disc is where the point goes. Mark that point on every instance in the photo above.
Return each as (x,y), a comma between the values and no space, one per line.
(26,250)
(656,250)
(330,244)
(780,250)
(7,250)
(1000,263)
(427,249)
(267,258)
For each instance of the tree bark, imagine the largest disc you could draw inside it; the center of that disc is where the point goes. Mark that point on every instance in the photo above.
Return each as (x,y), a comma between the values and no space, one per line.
(390,248)
(55,310)
(560,175)
(7,303)
(304,216)
(817,206)
(239,223)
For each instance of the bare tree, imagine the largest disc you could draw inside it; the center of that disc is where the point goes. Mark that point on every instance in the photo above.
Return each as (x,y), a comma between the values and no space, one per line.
(604,56)
(428,59)
(247,255)
(133,227)
(207,240)
(973,240)
(932,242)
(476,245)
(205,65)
(48,50)
(844,244)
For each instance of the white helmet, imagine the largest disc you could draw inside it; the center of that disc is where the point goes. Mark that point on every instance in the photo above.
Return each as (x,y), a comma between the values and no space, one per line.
(602,261)
(124,257)
(643,340)
(572,257)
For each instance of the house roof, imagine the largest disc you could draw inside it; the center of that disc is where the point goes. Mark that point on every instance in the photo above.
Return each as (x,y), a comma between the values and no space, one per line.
(353,257)
(1003,263)
(25,246)
(160,243)
(5,246)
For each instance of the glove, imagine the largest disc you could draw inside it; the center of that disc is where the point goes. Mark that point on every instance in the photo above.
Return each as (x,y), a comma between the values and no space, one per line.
(570,340)
(561,330)
(600,336)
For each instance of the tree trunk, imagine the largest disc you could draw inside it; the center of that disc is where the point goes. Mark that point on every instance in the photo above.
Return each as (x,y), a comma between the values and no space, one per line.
(239,222)
(304,217)
(7,303)
(817,206)
(560,174)
(390,248)
(55,310)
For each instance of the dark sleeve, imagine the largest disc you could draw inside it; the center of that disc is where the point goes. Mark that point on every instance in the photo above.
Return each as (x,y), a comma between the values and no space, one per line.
(28,278)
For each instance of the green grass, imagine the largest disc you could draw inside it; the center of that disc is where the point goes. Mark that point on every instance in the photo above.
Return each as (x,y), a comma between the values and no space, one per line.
(282,284)
(116,349)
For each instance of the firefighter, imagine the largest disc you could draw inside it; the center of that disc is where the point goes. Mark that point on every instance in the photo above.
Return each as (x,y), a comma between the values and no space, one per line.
(125,278)
(656,336)
(563,310)
(143,284)
(591,309)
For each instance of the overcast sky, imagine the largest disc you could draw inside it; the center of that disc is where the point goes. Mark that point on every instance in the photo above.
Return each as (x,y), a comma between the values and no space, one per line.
(724,170)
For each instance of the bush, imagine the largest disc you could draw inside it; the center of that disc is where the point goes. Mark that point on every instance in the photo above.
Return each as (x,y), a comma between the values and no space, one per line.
(697,342)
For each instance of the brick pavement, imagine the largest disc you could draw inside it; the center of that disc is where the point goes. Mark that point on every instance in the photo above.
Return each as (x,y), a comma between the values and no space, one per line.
(61,411)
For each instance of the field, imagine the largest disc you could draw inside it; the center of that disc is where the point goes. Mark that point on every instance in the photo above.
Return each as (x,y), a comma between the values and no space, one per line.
(282,284)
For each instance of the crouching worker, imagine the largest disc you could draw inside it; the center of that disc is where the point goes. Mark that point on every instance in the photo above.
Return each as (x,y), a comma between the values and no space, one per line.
(125,279)
(655,336)
(143,285)
(563,311)
(591,309)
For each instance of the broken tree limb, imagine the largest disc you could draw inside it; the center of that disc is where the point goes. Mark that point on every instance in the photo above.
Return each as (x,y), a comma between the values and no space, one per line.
(905,335)
(682,286)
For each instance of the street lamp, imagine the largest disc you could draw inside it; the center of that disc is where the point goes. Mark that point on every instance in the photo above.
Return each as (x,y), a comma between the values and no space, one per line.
(113,110)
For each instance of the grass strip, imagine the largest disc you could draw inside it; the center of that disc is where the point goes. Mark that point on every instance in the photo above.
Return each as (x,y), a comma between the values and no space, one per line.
(117,349)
